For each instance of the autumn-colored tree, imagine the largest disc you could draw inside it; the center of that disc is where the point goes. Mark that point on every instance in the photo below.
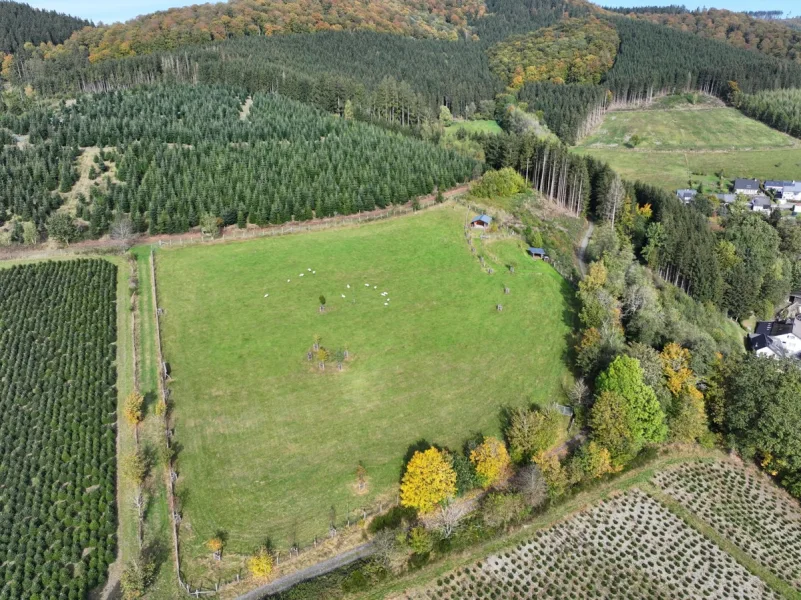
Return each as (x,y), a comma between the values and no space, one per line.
(132,408)
(491,461)
(260,564)
(429,480)
(552,471)
(215,544)
(134,467)
(531,431)
(676,367)
(591,461)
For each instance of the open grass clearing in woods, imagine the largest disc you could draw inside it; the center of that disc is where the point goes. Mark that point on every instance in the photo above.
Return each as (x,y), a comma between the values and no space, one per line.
(674,170)
(702,129)
(477,126)
(269,444)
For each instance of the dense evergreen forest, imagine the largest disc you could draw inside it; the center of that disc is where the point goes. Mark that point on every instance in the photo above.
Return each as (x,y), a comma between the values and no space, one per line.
(183,151)
(780,109)
(57,436)
(654,58)
(19,23)
(771,37)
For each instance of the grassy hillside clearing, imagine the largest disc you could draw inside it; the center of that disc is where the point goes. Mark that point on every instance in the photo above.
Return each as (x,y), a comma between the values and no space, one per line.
(269,443)
(686,146)
(701,129)
(673,170)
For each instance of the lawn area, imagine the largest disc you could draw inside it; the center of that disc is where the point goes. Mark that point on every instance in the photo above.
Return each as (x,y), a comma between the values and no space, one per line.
(673,170)
(690,129)
(270,444)
(478,126)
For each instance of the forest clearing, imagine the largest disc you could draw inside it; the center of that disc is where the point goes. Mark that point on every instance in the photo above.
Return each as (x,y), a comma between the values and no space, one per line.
(672,147)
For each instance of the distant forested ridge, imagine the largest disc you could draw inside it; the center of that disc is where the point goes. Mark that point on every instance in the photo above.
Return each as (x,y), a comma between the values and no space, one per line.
(19,23)
(180,152)
(202,23)
(572,51)
(766,36)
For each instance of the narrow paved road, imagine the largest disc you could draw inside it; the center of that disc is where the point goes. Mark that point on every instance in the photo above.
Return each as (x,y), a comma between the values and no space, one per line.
(282,584)
(583,249)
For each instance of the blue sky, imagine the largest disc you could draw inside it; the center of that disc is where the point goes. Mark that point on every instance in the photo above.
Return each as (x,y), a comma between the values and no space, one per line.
(109,11)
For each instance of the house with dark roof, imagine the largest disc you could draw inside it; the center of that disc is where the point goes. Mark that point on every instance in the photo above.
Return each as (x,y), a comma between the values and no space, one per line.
(777,338)
(687,195)
(749,187)
(481,221)
(777,186)
(726,198)
(761,204)
(537,253)
(792,192)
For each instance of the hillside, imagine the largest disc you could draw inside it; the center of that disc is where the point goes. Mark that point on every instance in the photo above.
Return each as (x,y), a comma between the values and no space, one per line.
(771,37)
(19,23)
(213,22)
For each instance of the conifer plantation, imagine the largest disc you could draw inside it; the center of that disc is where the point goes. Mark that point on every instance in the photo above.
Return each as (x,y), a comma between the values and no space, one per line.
(57,436)
(183,151)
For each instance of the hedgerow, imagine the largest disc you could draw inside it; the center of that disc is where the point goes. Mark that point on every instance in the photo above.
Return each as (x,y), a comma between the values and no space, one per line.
(57,436)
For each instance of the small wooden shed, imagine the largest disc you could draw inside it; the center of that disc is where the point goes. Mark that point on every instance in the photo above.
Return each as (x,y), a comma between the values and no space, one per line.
(481,221)
(537,253)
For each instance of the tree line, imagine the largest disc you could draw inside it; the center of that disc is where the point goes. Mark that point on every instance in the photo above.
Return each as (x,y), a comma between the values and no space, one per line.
(20,23)
(57,437)
(780,109)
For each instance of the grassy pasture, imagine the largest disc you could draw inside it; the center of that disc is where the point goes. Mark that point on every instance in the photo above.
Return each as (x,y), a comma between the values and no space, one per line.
(478,126)
(269,444)
(684,147)
(673,170)
(694,129)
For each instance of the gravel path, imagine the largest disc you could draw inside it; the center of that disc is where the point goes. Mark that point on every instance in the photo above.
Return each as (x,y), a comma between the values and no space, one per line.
(583,249)
(332,564)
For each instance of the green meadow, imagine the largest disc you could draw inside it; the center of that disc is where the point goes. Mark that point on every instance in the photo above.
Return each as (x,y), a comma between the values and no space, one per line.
(676,148)
(269,443)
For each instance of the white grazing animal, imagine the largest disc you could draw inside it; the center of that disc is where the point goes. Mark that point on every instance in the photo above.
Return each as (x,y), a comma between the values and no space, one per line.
(343,295)
(287,280)
(366,285)
(308,269)
(386,303)
(348,286)
(265,295)
(301,275)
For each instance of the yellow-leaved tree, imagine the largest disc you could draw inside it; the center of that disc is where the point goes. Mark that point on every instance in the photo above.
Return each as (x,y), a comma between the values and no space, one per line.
(491,461)
(260,564)
(133,408)
(429,480)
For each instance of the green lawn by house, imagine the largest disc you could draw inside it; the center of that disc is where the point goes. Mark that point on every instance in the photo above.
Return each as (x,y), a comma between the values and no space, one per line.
(269,445)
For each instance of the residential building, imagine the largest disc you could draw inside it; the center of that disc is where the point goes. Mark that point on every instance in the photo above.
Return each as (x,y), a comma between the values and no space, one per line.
(749,187)
(761,204)
(777,186)
(792,192)
(777,338)
(687,195)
